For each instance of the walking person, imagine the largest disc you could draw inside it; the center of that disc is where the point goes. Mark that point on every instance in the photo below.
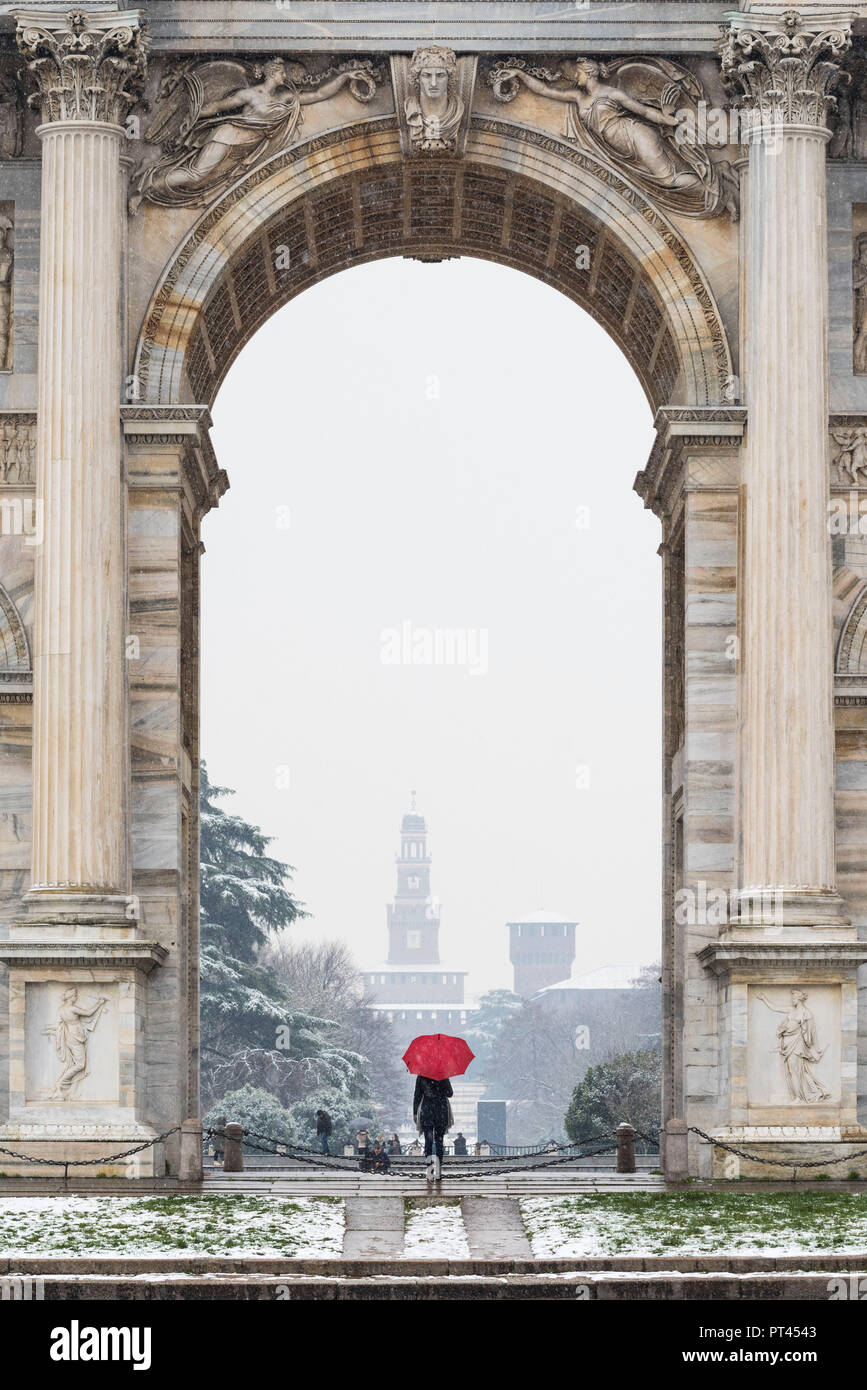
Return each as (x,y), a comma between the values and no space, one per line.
(432,1114)
(324,1127)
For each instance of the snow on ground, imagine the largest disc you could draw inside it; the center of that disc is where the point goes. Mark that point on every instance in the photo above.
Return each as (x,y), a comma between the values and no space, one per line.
(696,1224)
(303,1227)
(435,1233)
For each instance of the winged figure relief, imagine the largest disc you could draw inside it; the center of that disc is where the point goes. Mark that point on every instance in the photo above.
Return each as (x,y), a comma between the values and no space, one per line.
(216,120)
(628,112)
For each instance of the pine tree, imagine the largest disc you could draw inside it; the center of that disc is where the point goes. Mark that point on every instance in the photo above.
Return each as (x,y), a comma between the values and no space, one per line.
(251,1032)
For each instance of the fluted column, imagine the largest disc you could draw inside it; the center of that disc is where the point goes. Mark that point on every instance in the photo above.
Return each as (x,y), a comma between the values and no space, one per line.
(785,70)
(86,71)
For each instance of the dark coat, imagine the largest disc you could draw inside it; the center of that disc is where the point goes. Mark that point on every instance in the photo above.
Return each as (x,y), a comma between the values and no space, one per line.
(430,1104)
(323,1122)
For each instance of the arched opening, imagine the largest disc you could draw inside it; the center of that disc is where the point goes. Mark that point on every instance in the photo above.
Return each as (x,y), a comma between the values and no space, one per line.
(348,199)
(497,500)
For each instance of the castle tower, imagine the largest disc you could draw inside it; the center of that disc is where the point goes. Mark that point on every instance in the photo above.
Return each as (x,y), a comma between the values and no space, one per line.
(541,949)
(415,989)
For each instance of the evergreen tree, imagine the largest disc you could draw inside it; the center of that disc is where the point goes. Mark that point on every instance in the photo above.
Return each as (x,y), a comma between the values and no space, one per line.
(252,1034)
(628,1088)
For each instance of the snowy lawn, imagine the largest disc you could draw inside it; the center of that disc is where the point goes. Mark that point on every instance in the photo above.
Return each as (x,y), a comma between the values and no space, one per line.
(218,1225)
(435,1233)
(647,1223)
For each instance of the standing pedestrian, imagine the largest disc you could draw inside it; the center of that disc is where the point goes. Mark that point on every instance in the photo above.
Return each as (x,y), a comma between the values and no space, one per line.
(433,1116)
(323,1130)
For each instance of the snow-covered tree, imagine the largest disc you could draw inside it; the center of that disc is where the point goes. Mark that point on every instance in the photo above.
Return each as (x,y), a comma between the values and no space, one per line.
(252,1032)
(495,1008)
(627,1088)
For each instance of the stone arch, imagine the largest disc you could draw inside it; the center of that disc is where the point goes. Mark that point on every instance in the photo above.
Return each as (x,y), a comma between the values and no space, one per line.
(851,656)
(519,197)
(14,647)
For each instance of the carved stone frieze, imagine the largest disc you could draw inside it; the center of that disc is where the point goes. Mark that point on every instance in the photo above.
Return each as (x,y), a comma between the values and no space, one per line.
(630,112)
(17,449)
(84,66)
(11,116)
(784,71)
(433,95)
(215,120)
(849,456)
(7,261)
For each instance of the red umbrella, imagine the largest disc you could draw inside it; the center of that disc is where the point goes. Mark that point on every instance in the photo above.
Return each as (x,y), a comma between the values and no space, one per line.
(437,1055)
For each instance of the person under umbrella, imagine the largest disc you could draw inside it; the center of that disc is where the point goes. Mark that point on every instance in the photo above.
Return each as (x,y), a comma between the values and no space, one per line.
(432,1114)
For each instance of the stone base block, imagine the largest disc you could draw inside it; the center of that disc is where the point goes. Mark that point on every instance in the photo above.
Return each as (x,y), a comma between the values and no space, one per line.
(835,1152)
(38,1142)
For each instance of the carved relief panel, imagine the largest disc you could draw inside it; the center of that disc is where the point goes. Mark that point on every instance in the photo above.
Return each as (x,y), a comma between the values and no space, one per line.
(213,121)
(794,1036)
(7,262)
(71,1043)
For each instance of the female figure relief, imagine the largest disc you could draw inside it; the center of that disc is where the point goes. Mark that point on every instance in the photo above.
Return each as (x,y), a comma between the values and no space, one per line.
(71,1032)
(635,135)
(215,122)
(797,1047)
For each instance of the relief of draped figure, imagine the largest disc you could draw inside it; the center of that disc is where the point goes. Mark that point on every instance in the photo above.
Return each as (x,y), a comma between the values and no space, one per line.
(630,121)
(217,119)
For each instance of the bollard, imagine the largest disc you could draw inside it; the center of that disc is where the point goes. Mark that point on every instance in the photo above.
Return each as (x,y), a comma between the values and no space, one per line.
(625,1148)
(233,1161)
(191,1151)
(676,1161)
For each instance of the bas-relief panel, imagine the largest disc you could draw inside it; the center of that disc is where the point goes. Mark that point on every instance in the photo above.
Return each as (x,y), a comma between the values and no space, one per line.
(71,1044)
(793,1045)
(859,289)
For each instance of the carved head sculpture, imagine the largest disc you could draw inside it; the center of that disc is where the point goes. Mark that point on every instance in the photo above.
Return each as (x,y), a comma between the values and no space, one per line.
(584,72)
(5,229)
(861,248)
(430,73)
(799,996)
(70,994)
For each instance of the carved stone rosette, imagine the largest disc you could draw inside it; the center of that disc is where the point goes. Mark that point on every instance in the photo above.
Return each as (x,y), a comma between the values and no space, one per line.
(85,67)
(784,73)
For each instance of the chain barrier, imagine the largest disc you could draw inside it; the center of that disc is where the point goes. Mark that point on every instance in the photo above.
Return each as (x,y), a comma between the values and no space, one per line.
(458,1169)
(67,1163)
(777,1162)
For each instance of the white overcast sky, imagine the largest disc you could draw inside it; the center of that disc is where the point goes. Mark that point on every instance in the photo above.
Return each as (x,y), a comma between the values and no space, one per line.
(433,431)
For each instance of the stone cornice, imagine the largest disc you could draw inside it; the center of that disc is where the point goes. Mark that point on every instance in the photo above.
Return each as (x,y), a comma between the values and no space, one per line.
(88,955)
(724,957)
(84,65)
(679,429)
(188,428)
(399,26)
(783,66)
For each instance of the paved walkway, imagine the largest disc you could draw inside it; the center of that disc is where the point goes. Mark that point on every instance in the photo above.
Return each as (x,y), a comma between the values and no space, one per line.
(374,1227)
(492,1225)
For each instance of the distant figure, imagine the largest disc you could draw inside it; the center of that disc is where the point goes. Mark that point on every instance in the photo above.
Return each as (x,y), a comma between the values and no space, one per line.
(218,1140)
(433,1116)
(323,1129)
(393,1145)
(362,1143)
(379,1159)
(460,1146)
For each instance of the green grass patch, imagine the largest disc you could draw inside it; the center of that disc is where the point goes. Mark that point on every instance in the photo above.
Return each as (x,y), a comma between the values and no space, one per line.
(696,1223)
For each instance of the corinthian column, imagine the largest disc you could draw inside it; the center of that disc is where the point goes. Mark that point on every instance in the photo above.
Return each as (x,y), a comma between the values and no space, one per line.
(785,68)
(86,70)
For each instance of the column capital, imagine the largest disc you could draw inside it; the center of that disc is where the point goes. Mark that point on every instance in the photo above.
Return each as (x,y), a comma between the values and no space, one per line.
(783,66)
(84,66)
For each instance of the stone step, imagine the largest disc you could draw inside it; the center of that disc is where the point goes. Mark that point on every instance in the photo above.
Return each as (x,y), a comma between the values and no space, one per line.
(397,1284)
